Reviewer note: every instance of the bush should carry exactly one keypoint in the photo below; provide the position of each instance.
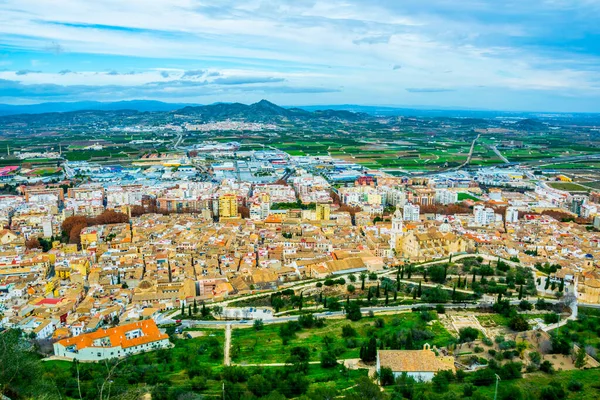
(487, 341)
(554, 391)
(468, 390)
(348, 331)
(328, 359)
(478, 349)
(551, 318)
(575, 386)
(379, 323)
(547, 367)
(468, 334)
(518, 323)
(483, 377)
(353, 312)
(386, 376)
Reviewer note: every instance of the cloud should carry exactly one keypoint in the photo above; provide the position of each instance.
(429, 90)
(396, 67)
(112, 73)
(26, 72)
(372, 40)
(166, 90)
(65, 72)
(193, 73)
(245, 80)
(164, 74)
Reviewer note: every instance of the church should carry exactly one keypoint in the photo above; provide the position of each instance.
(422, 246)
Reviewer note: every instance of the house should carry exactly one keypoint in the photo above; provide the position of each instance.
(421, 365)
(117, 342)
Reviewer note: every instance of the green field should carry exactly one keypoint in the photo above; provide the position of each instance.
(568, 186)
(266, 346)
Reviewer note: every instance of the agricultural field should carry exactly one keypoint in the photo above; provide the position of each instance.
(568, 186)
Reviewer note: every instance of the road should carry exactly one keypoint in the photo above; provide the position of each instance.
(470, 154)
(227, 349)
(495, 150)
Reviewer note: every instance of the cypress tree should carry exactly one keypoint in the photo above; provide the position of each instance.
(499, 297)
(195, 307)
(409, 271)
(547, 283)
(425, 275)
(325, 302)
(450, 260)
(409, 340)
(369, 294)
(414, 294)
(395, 295)
(301, 299)
(387, 298)
(473, 281)
(454, 292)
(377, 292)
(561, 286)
(182, 310)
(402, 273)
(521, 292)
(419, 291)
(320, 297)
(190, 309)
(445, 272)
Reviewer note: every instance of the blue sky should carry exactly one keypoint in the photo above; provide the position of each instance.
(511, 55)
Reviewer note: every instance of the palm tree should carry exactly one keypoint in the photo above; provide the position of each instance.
(363, 276)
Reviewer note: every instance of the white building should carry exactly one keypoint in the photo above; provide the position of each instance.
(411, 212)
(483, 216)
(512, 215)
(445, 197)
(115, 342)
(422, 365)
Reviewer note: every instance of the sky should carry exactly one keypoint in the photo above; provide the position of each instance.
(534, 55)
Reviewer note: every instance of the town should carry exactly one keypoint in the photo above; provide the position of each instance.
(230, 264)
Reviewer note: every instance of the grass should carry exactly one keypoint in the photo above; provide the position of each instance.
(568, 186)
(253, 347)
(466, 196)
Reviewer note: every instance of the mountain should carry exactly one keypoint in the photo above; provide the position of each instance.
(42, 108)
(265, 111)
(126, 114)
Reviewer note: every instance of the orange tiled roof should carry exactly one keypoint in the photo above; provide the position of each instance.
(150, 333)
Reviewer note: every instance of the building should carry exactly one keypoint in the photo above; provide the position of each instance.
(512, 215)
(445, 197)
(228, 206)
(422, 365)
(322, 212)
(411, 212)
(397, 229)
(483, 216)
(115, 342)
(577, 202)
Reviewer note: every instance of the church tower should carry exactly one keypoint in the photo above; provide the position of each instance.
(397, 228)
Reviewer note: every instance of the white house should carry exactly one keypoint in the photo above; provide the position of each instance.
(115, 342)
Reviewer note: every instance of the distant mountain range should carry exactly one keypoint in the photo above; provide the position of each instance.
(137, 111)
(262, 111)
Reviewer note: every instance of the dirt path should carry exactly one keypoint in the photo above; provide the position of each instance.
(226, 350)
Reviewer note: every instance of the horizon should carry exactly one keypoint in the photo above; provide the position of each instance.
(537, 57)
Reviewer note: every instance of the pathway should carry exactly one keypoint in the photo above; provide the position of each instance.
(226, 350)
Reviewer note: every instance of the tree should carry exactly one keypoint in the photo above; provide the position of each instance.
(182, 310)
(518, 323)
(365, 389)
(581, 356)
(259, 385)
(368, 352)
(363, 276)
(437, 273)
(328, 359)
(521, 292)
(468, 334)
(353, 312)
(419, 290)
(386, 376)
(196, 307)
(33, 243)
(258, 324)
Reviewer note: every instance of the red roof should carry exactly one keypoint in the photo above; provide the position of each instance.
(49, 302)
